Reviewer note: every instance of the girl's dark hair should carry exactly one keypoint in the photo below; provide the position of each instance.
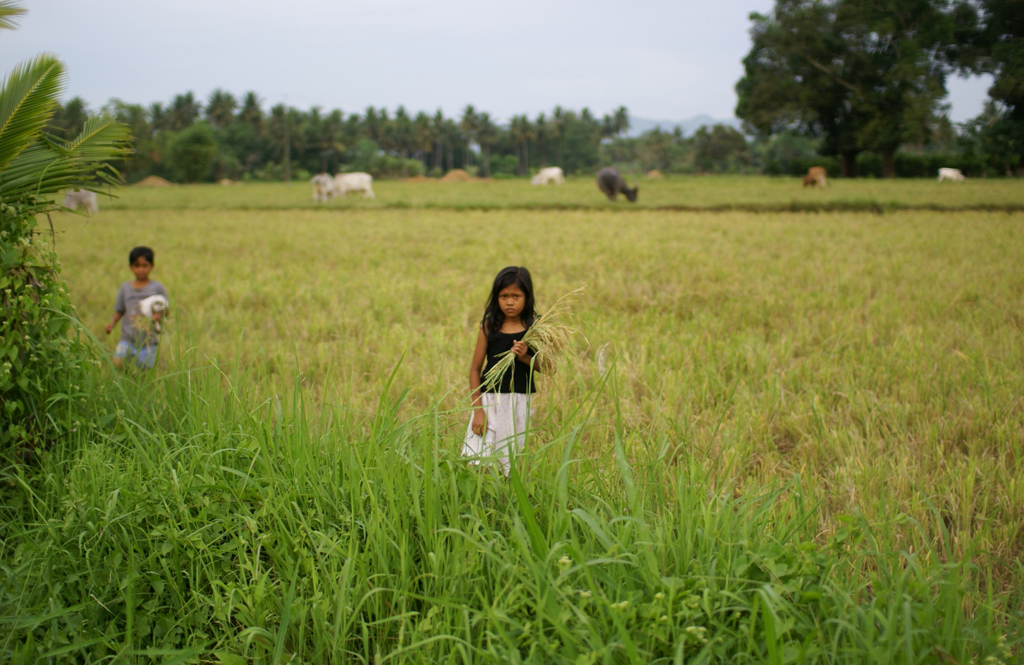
(141, 252)
(493, 316)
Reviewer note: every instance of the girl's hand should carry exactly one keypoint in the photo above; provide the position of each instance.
(479, 422)
(110, 327)
(521, 351)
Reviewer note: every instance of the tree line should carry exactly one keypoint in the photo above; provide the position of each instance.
(189, 140)
(866, 80)
(858, 86)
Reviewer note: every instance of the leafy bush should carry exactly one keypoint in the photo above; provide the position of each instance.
(44, 362)
(193, 153)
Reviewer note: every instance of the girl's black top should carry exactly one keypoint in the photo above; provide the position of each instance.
(516, 380)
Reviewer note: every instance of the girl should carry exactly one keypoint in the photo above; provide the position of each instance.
(498, 424)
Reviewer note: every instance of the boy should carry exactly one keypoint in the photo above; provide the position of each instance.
(139, 333)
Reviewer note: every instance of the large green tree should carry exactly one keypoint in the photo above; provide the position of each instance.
(999, 50)
(861, 74)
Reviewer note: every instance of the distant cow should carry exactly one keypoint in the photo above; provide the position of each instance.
(815, 176)
(354, 182)
(323, 187)
(950, 174)
(611, 183)
(548, 175)
(79, 197)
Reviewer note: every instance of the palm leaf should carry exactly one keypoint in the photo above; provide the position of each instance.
(102, 138)
(28, 97)
(9, 12)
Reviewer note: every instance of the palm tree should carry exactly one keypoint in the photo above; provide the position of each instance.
(451, 136)
(423, 133)
(522, 134)
(468, 125)
(34, 168)
(184, 111)
(486, 134)
(529, 134)
(252, 112)
(220, 110)
(372, 125)
(543, 130)
(402, 133)
(558, 125)
(34, 165)
(439, 136)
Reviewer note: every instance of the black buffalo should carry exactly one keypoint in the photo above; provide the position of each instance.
(610, 182)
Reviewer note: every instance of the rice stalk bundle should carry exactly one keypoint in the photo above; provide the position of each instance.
(548, 337)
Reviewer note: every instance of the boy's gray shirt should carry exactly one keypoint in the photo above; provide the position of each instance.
(137, 329)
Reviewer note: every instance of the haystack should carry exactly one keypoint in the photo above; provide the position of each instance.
(456, 175)
(655, 174)
(153, 181)
(227, 181)
(418, 178)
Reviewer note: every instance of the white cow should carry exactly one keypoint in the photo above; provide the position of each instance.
(950, 174)
(550, 174)
(79, 197)
(323, 187)
(354, 182)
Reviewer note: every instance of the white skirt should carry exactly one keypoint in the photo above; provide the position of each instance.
(507, 419)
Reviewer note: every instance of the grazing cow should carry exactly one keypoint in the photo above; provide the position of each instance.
(79, 197)
(950, 174)
(611, 183)
(354, 182)
(323, 187)
(815, 176)
(548, 175)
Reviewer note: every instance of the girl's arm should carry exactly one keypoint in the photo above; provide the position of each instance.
(479, 353)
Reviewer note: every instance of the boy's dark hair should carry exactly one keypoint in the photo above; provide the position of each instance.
(493, 316)
(141, 252)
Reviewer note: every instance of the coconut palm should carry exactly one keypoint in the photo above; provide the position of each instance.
(37, 316)
(438, 129)
(423, 131)
(252, 111)
(468, 125)
(35, 165)
(542, 128)
(9, 12)
(220, 110)
(558, 127)
(486, 134)
(620, 119)
(184, 111)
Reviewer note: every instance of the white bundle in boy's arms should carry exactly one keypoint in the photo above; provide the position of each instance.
(153, 305)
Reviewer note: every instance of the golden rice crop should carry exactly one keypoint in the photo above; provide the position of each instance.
(548, 337)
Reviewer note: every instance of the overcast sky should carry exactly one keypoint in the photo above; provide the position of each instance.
(665, 60)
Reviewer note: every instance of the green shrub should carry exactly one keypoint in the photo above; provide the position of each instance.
(193, 153)
(44, 362)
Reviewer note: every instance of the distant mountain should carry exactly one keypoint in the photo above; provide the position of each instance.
(638, 126)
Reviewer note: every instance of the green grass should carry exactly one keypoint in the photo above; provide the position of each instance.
(808, 444)
(676, 192)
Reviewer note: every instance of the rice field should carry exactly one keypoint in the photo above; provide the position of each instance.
(777, 437)
(759, 193)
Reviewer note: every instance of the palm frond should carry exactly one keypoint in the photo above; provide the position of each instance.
(28, 98)
(102, 138)
(9, 13)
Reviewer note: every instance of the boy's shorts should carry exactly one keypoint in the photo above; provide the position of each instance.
(145, 356)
